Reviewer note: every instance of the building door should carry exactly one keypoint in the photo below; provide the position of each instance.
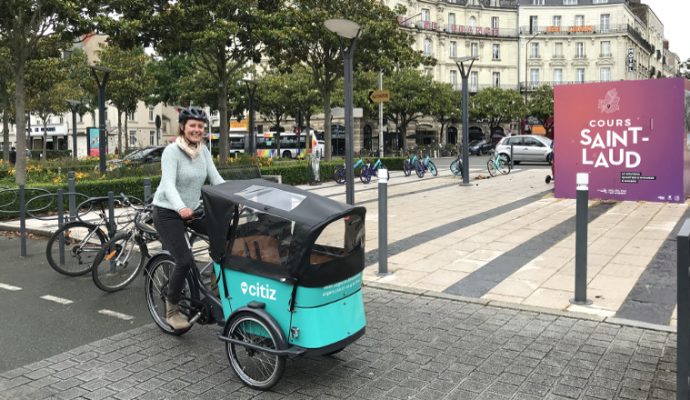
(452, 133)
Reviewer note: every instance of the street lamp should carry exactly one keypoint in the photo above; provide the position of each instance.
(251, 91)
(101, 82)
(465, 73)
(526, 58)
(349, 30)
(74, 107)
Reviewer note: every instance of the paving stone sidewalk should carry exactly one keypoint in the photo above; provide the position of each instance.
(417, 346)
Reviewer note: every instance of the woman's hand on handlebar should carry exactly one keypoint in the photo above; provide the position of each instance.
(186, 213)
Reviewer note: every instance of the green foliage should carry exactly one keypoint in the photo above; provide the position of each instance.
(540, 103)
(496, 106)
(411, 98)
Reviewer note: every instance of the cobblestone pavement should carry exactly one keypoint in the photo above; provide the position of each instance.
(417, 346)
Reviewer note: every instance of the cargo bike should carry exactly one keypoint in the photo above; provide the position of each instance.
(288, 265)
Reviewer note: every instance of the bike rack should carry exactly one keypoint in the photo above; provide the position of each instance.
(683, 317)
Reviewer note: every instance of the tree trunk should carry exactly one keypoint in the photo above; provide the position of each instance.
(6, 131)
(328, 143)
(119, 132)
(20, 109)
(277, 137)
(127, 138)
(44, 151)
(223, 111)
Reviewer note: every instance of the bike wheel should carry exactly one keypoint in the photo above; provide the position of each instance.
(456, 167)
(407, 168)
(118, 262)
(504, 167)
(388, 174)
(491, 166)
(339, 175)
(432, 168)
(156, 275)
(419, 169)
(257, 369)
(365, 175)
(81, 243)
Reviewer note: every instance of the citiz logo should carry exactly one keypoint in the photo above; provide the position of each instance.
(259, 290)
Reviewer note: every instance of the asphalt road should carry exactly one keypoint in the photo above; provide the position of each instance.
(34, 328)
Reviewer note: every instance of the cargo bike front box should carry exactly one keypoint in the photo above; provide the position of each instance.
(289, 266)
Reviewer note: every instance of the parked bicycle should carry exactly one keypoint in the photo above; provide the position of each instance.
(368, 170)
(339, 174)
(421, 165)
(456, 166)
(72, 249)
(497, 164)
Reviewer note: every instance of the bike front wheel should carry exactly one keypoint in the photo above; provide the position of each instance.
(407, 168)
(156, 277)
(456, 167)
(432, 168)
(118, 262)
(72, 249)
(339, 175)
(504, 166)
(256, 368)
(365, 175)
(491, 166)
(419, 169)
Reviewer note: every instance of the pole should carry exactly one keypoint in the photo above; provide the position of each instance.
(581, 218)
(465, 131)
(349, 122)
(22, 221)
(61, 220)
(383, 222)
(101, 128)
(381, 149)
(74, 133)
(71, 188)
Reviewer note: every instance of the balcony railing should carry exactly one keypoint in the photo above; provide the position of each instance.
(531, 86)
(588, 30)
(465, 30)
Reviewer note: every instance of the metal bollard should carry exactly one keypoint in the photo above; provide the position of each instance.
(22, 221)
(147, 190)
(581, 218)
(511, 156)
(112, 225)
(383, 222)
(71, 188)
(61, 221)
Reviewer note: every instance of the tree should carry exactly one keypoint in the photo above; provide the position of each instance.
(129, 82)
(410, 99)
(303, 39)
(445, 105)
(5, 100)
(540, 105)
(24, 24)
(496, 106)
(304, 98)
(273, 100)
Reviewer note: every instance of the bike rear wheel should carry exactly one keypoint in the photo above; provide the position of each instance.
(156, 276)
(118, 262)
(491, 166)
(81, 243)
(339, 175)
(504, 166)
(257, 369)
(365, 175)
(419, 169)
(407, 168)
(456, 167)
(432, 168)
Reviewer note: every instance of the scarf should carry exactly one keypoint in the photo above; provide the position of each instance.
(192, 152)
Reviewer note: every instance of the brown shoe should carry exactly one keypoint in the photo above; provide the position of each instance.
(174, 317)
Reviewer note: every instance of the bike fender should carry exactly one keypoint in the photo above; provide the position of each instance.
(282, 345)
(156, 257)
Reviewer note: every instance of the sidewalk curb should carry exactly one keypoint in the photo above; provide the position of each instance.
(33, 231)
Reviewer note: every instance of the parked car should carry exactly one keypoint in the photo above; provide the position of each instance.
(478, 147)
(146, 155)
(532, 148)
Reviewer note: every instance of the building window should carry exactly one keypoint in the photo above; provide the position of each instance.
(537, 2)
(558, 50)
(569, 2)
(474, 81)
(579, 20)
(557, 20)
(472, 22)
(600, 1)
(152, 138)
(605, 74)
(579, 50)
(580, 75)
(132, 138)
(451, 20)
(453, 50)
(604, 22)
(496, 79)
(496, 52)
(454, 79)
(130, 116)
(81, 118)
(557, 76)
(427, 47)
(494, 22)
(425, 14)
(474, 49)
(150, 113)
(533, 24)
(495, 3)
(534, 77)
(606, 48)
(60, 120)
(534, 52)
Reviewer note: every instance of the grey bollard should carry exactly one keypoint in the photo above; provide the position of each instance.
(383, 222)
(511, 157)
(61, 221)
(22, 221)
(112, 225)
(147, 190)
(71, 188)
(581, 218)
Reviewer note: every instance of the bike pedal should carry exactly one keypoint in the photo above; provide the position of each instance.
(195, 318)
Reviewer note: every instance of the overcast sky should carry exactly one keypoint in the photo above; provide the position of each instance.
(674, 15)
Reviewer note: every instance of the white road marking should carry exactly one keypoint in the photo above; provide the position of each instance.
(56, 299)
(115, 314)
(9, 287)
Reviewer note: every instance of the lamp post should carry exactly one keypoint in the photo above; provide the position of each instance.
(465, 73)
(251, 92)
(74, 107)
(526, 59)
(101, 82)
(348, 30)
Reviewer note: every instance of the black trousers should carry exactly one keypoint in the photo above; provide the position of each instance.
(171, 229)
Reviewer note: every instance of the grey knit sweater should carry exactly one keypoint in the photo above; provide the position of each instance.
(183, 177)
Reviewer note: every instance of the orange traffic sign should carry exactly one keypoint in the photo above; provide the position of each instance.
(379, 96)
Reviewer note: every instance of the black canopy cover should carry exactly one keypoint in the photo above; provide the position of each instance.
(310, 212)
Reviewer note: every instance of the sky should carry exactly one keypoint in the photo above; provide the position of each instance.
(673, 14)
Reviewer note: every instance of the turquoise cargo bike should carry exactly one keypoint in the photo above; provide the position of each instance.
(288, 265)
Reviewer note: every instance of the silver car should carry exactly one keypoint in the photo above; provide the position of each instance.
(529, 148)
